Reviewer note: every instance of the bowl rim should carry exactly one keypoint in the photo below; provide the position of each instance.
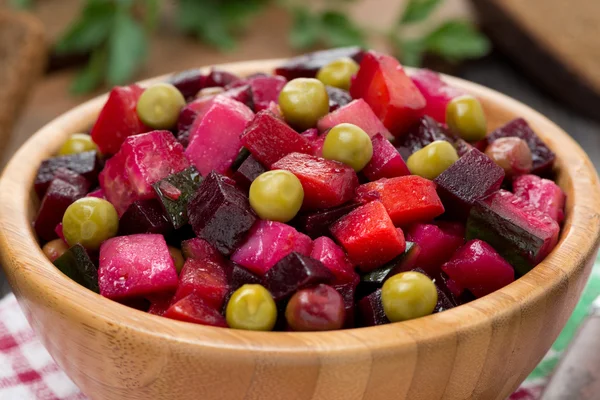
(22, 257)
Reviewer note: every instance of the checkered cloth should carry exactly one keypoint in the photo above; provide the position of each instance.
(27, 372)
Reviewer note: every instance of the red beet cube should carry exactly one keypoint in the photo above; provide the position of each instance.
(386, 161)
(142, 160)
(159, 304)
(99, 193)
(348, 292)
(317, 223)
(436, 92)
(220, 213)
(295, 272)
(543, 157)
(392, 95)
(426, 131)
(265, 89)
(543, 194)
(58, 197)
(370, 310)
(477, 267)
(189, 82)
(307, 65)
(205, 278)
(311, 134)
(85, 164)
(134, 266)
(242, 276)
(326, 183)
(337, 97)
(407, 199)
(523, 235)
(437, 242)
(358, 113)
(248, 172)
(369, 237)
(118, 119)
(214, 140)
(335, 259)
(269, 139)
(219, 78)
(469, 179)
(267, 243)
(196, 310)
(190, 112)
(144, 216)
(462, 147)
(200, 249)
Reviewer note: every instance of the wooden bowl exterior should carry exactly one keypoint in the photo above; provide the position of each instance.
(482, 350)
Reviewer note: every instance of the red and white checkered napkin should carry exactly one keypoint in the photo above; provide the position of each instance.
(27, 372)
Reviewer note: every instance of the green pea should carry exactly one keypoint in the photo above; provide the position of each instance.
(408, 295)
(432, 160)
(177, 257)
(465, 118)
(303, 102)
(252, 308)
(349, 144)
(77, 143)
(338, 73)
(158, 107)
(276, 195)
(90, 221)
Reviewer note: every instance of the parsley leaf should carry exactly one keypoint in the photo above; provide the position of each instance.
(456, 40)
(418, 10)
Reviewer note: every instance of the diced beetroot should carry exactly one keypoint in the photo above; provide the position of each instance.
(521, 234)
(436, 92)
(543, 157)
(135, 266)
(85, 164)
(307, 65)
(335, 259)
(241, 94)
(326, 183)
(159, 304)
(242, 276)
(219, 78)
(98, 193)
(318, 145)
(59, 232)
(205, 278)
(469, 179)
(437, 242)
(311, 134)
(462, 147)
(266, 89)
(317, 223)
(477, 267)
(191, 111)
(295, 272)
(73, 178)
(407, 199)
(144, 216)
(189, 82)
(267, 243)
(118, 119)
(248, 172)
(194, 309)
(58, 197)
(545, 195)
(384, 85)
(337, 97)
(369, 237)
(426, 131)
(358, 113)
(142, 160)
(386, 161)
(215, 137)
(348, 292)
(200, 249)
(220, 213)
(370, 310)
(269, 139)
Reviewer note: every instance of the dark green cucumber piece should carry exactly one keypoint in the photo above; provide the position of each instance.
(77, 265)
(373, 280)
(175, 191)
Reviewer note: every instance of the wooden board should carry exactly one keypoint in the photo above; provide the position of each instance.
(556, 42)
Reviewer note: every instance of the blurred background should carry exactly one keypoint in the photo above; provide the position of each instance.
(55, 54)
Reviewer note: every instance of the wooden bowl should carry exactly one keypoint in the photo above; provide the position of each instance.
(482, 350)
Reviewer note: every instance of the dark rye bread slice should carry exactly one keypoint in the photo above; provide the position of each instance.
(556, 42)
(22, 60)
